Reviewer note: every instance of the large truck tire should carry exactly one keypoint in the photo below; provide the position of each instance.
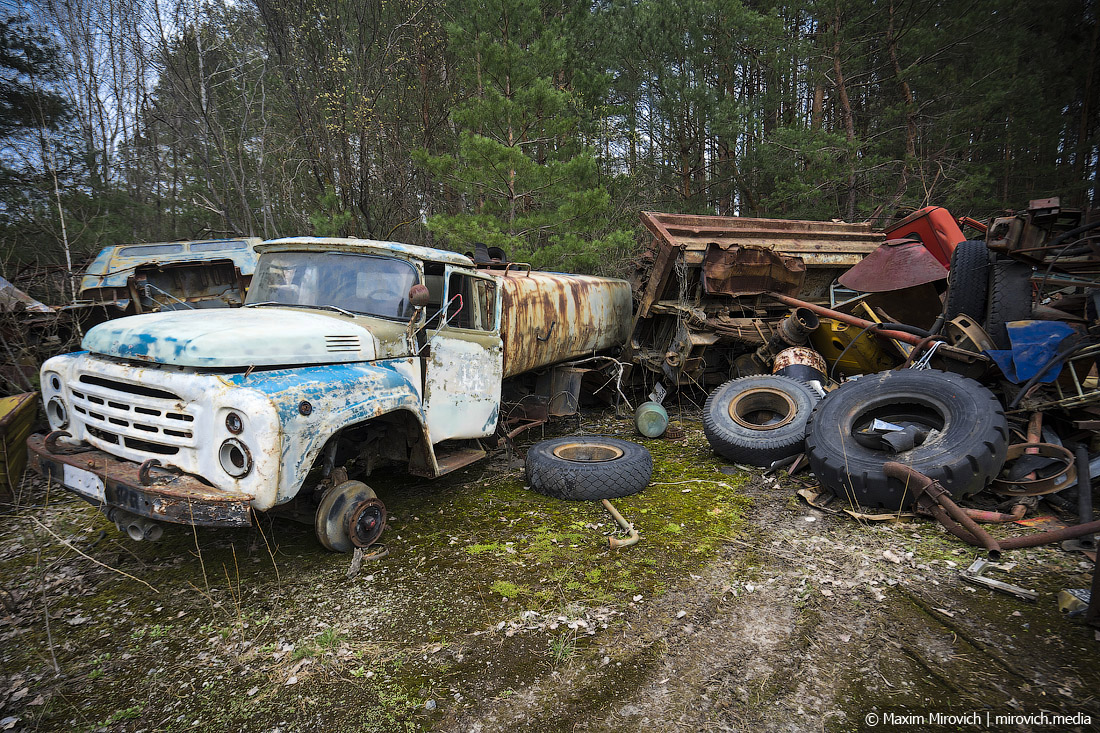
(1009, 299)
(588, 468)
(968, 280)
(964, 449)
(758, 419)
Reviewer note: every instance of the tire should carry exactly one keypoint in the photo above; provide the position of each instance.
(758, 419)
(1009, 299)
(968, 280)
(588, 468)
(964, 453)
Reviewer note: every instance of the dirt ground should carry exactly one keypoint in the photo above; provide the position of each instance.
(497, 609)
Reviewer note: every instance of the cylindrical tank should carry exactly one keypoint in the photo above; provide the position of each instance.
(548, 317)
(801, 363)
(651, 419)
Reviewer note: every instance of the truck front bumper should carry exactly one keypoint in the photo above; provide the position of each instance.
(102, 479)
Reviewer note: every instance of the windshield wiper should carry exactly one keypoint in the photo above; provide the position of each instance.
(336, 308)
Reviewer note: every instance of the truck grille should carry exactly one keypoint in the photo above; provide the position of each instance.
(141, 418)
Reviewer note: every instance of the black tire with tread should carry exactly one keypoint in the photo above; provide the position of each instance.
(757, 446)
(964, 456)
(968, 280)
(1009, 299)
(588, 480)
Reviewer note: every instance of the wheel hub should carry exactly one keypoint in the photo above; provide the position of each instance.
(763, 408)
(587, 452)
(366, 522)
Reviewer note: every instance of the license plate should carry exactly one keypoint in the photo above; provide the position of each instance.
(85, 483)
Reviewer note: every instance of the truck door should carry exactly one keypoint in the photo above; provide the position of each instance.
(465, 360)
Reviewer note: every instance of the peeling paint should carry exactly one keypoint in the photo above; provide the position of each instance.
(189, 388)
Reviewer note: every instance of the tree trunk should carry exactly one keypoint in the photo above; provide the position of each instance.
(846, 116)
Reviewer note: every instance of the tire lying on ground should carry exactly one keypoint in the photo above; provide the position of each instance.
(968, 280)
(758, 419)
(588, 468)
(964, 449)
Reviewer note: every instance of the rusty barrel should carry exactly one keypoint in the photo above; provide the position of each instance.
(550, 317)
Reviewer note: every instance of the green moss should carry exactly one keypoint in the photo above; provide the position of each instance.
(508, 590)
(482, 549)
(257, 602)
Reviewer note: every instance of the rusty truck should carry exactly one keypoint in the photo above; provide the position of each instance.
(348, 355)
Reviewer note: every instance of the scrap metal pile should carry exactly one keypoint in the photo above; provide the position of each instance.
(915, 367)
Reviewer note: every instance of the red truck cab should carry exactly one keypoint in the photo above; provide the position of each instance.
(934, 227)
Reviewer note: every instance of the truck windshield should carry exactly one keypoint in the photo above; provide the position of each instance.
(366, 284)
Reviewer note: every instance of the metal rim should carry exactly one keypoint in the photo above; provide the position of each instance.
(1037, 486)
(585, 452)
(763, 408)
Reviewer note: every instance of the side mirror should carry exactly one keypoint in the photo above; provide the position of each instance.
(418, 296)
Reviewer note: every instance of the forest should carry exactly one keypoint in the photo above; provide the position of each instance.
(540, 126)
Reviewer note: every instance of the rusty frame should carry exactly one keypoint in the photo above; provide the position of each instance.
(175, 498)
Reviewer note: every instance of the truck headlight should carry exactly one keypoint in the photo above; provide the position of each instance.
(234, 423)
(235, 458)
(57, 413)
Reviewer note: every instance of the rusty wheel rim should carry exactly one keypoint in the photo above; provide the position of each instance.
(366, 523)
(587, 452)
(763, 409)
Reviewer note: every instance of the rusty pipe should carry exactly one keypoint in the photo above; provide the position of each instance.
(908, 338)
(929, 505)
(924, 486)
(1018, 513)
(1034, 432)
(1055, 535)
(632, 534)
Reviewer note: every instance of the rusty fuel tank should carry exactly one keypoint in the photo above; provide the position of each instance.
(549, 318)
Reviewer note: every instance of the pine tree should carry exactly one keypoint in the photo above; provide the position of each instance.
(523, 176)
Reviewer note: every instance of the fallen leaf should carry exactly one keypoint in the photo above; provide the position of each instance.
(292, 680)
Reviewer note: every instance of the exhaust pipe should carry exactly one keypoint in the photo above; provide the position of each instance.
(138, 528)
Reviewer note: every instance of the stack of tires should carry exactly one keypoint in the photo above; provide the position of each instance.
(992, 291)
(758, 420)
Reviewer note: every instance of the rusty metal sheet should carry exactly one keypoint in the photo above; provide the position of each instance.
(789, 236)
(547, 318)
(735, 270)
(897, 264)
(829, 247)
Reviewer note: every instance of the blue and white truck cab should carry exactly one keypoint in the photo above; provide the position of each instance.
(347, 352)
